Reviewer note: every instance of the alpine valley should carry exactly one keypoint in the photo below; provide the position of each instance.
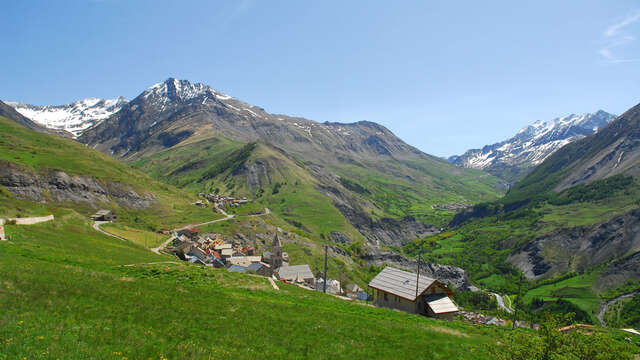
(563, 238)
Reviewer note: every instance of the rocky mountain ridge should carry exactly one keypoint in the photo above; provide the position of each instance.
(168, 106)
(348, 163)
(513, 158)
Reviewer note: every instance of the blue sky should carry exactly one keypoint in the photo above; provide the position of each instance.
(445, 76)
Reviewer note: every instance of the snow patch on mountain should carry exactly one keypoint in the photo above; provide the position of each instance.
(182, 91)
(534, 143)
(75, 117)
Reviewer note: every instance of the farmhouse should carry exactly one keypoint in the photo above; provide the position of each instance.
(394, 288)
(104, 215)
(296, 273)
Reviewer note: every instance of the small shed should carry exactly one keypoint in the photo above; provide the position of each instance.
(352, 288)
(104, 215)
(397, 289)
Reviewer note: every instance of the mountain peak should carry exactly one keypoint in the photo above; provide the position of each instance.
(182, 90)
(514, 157)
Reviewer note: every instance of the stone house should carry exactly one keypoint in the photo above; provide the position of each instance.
(104, 215)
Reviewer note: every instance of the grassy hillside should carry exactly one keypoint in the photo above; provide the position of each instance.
(481, 246)
(66, 294)
(387, 188)
(41, 153)
(70, 292)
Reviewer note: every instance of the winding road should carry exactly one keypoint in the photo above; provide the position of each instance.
(96, 226)
(606, 305)
(501, 304)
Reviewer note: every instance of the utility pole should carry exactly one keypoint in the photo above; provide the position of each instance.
(340, 283)
(418, 281)
(324, 284)
(418, 274)
(515, 303)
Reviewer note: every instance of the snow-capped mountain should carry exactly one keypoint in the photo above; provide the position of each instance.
(75, 117)
(150, 123)
(515, 157)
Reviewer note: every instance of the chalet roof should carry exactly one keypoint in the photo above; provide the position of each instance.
(293, 272)
(441, 304)
(400, 283)
(222, 246)
(227, 252)
(103, 212)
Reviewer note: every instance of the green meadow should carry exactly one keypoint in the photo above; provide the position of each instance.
(69, 292)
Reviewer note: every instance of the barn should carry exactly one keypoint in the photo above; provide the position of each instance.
(396, 289)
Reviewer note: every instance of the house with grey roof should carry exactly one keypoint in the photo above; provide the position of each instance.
(237, 268)
(396, 289)
(260, 268)
(296, 274)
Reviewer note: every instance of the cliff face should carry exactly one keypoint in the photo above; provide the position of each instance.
(447, 274)
(59, 186)
(579, 248)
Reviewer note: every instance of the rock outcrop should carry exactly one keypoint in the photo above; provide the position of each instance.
(579, 248)
(59, 186)
(447, 274)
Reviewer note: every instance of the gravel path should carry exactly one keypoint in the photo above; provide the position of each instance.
(96, 225)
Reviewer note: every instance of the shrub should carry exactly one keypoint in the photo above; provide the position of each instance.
(549, 343)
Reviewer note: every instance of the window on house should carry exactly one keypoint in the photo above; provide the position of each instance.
(386, 298)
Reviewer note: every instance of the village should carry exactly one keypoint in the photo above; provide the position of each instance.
(391, 288)
(219, 201)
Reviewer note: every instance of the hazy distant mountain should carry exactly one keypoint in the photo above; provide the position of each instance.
(513, 158)
(75, 117)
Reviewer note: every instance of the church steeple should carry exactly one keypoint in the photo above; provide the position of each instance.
(276, 242)
(276, 253)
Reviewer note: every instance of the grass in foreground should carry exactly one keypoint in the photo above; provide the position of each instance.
(65, 294)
